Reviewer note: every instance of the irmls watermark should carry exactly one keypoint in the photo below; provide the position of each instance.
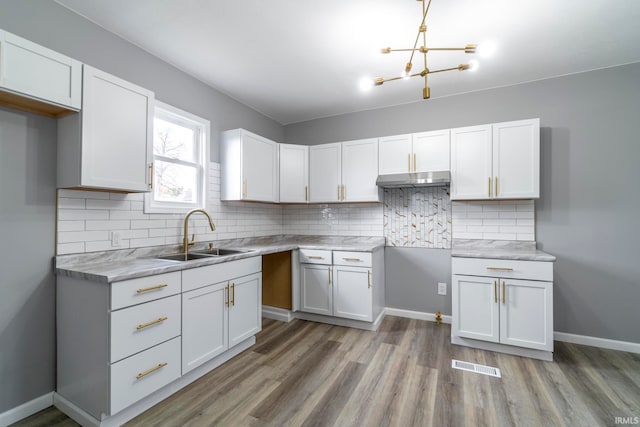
(626, 420)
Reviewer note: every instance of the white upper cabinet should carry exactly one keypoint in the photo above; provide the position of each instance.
(359, 170)
(294, 173)
(344, 171)
(325, 173)
(249, 167)
(395, 154)
(516, 159)
(108, 144)
(471, 162)
(418, 152)
(31, 72)
(498, 161)
(431, 151)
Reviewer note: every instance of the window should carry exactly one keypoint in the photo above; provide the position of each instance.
(180, 142)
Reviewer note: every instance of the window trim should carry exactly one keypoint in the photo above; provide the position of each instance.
(186, 119)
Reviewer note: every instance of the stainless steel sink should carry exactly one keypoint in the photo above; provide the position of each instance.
(220, 252)
(207, 253)
(182, 257)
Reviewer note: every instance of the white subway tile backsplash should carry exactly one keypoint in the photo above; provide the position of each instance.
(71, 225)
(106, 225)
(123, 205)
(82, 236)
(71, 203)
(76, 214)
(70, 248)
(493, 219)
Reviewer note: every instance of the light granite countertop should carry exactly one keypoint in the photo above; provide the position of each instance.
(499, 249)
(117, 265)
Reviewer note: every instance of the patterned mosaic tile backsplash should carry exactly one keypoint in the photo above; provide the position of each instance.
(417, 217)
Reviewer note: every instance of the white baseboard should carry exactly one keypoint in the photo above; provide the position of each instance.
(630, 347)
(276, 313)
(420, 315)
(26, 409)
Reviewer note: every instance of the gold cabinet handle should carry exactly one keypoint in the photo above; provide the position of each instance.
(233, 295)
(495, 291)
(148, 371)
(338, 192)
(329, 268)
(344, 192)
(152, 288)
(415, 162)
(153, 322)
(489, 187)
(228, 295)
(369, 279)
(409, 162)
(500, 268)
(151, 175)
(352, 259)
(306, 193)
(315, 257)
(496, 188)
(504, 292)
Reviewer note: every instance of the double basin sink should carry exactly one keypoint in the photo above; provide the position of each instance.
(209, 253)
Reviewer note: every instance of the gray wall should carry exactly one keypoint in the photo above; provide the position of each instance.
(589, 205)
(412, 276)
(27, 223)
(28, 173)
(53, 26)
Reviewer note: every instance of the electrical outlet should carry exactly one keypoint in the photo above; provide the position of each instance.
(115, 238)
(442, 288)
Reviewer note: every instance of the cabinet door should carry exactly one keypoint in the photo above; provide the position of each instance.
(471, 176)
(475, 308)
(431, 151)
(352, 293)
(395, 154)
(516, 159)
(526, 313)
(35, 71)
(294, 173)
(204, 325)
(325, 167)
(316, 289)
(360, 170)
(116, 132)
(245, 308)
(259, 168)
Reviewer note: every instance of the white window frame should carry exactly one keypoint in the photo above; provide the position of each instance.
(203, 128)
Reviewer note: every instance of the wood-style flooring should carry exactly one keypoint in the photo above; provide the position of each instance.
(311, 374)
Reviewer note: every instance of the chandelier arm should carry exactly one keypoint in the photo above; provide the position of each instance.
(424, 18)
(443, 70)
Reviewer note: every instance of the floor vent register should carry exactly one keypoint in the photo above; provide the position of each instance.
(474, 367)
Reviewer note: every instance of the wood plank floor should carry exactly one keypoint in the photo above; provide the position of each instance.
(310, 374)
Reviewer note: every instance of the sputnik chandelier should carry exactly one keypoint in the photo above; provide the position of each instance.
(424, 50)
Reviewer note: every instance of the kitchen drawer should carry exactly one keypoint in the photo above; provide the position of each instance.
(195, 278)
(355, 259)
(315, 256)
(515, 269)
(140, 375)
(142, 326)
(144, 289)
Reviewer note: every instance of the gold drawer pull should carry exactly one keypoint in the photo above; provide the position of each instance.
(504, 292)
(233, 295)
(495, 291)
(369, 279)
(496, 189)
(153, 322)
(315, 257)
(500, 268)
(352, 259)
(489, 188)
(152, 288)
(148, 371)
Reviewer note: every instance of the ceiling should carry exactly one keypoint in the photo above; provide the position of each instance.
(299, 60)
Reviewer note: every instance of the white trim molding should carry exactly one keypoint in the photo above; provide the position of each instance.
(630, 347)
(420, 315)
(26, 409)
(276, 313)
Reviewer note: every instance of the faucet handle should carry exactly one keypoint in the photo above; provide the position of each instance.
(193, 240)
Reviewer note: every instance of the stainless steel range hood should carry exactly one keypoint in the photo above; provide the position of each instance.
(414, 179)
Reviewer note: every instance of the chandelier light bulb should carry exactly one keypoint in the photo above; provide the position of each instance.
(473, 65)
(486, 49)
(366, 83)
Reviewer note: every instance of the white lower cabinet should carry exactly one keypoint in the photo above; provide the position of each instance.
(490, 305)
(120, 342)
(340, 284)
(219, 316)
